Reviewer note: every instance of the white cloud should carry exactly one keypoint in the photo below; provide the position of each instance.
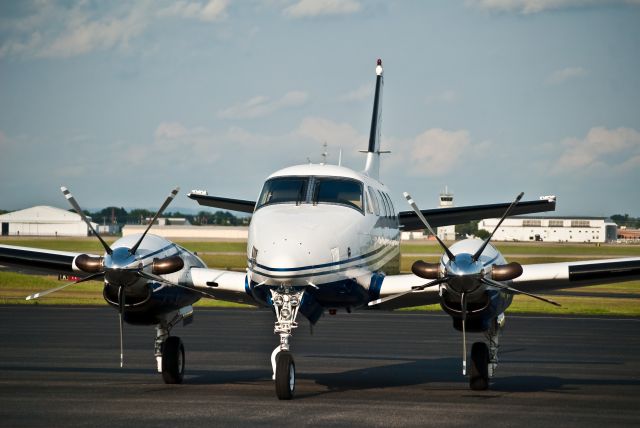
(213, 10)
(53, 31)
(600, 148)
(312, 8)
(526, 7)
(363, 92)
(436, 151)
(335, 134)
(562, 75)
(260, 106)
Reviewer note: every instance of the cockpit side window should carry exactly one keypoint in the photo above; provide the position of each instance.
(338, 191)
(281, 190)
(374, 201)
(368, 203)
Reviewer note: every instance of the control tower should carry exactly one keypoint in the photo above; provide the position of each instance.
(446, 233)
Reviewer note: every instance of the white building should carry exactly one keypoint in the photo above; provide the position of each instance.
(43, 221)
(446, 233)
(552, 229)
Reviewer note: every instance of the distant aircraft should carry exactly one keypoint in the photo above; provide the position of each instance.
(322, 238)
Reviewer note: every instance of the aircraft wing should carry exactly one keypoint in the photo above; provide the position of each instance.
(402, 283)
(223, 284)
(58, 261)
(224, 203)
(553, 276)
(459, 215)
(535, 278)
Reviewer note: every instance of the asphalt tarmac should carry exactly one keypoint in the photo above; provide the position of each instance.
(60, 367)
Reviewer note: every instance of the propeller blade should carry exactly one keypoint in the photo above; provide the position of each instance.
(476, 256)
(404, 293)
(167, 201)
(53, 290)
(121, 303)
(161, 280)
(463, 308)
(67, 194)
(426, 223)
(505, 287)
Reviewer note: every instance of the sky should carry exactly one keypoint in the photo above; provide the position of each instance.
(122, 101)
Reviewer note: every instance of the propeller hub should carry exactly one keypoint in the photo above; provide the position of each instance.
(464, 273)
(120, 259)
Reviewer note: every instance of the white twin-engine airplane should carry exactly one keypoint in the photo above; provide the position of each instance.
(321, 238)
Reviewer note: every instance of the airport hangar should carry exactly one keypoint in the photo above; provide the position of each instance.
(43, 221)
(552, 229)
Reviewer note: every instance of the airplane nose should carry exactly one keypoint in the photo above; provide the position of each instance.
(296, 242)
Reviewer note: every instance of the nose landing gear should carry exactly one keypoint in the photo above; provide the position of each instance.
(286, 302)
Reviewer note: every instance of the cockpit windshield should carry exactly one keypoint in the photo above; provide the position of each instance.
(338, 191)
(324, 190)
(284, 190)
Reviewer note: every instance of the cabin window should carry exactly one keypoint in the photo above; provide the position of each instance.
(329, 190)
(384, 211)
(282, 190)
(393, 211)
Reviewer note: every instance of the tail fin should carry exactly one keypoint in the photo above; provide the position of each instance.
(372, 167)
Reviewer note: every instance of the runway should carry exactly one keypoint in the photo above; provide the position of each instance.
(60, 367)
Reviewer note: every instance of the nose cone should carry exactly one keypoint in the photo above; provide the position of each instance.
(293, 242)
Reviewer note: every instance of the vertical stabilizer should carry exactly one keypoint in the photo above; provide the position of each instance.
(372, 167)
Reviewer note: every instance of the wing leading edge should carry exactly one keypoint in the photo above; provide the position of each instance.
(59, 261)
(224, 203)
(459, 215)
(553, 276)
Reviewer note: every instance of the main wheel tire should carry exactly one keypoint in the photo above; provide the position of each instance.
(173, 360)
(285, 376)
(479, 380)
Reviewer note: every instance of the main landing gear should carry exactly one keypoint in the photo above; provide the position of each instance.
(484, 359)
(169, 350)
(286, 302)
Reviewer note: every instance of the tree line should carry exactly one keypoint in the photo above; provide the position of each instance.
(115, 215)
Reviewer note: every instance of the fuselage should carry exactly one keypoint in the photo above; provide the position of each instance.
(325, 227)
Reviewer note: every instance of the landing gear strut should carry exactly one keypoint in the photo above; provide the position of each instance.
(484, 359)
(169, 350)
(286, 302)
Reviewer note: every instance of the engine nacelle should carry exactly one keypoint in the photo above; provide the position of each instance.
(89, 264)
(427, 270)
(168, 265)
(506, 272)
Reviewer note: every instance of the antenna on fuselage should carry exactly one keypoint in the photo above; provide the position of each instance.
(324, 154)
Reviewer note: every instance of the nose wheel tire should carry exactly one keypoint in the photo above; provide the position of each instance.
(173, 360)
(285, 376)
(479, 380)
